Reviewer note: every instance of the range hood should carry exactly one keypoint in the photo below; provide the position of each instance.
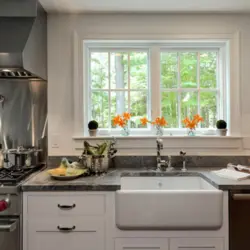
(23, 40)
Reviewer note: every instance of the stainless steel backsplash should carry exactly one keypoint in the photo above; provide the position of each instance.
(23, 114)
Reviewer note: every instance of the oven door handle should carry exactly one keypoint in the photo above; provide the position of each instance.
(241, 197)
(10, 227)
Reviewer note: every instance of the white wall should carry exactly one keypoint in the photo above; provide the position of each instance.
(61, 30)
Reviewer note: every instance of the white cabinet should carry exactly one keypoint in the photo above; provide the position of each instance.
(196, 244)
(86, 221)
(80, 234)
(55, 240)
(63, 222)
(66, 205)
(169, 244)
(141, 244)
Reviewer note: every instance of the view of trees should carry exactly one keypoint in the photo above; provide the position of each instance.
(119, 82)
(190, 99)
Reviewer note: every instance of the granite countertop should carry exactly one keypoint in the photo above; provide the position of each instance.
(41, 181)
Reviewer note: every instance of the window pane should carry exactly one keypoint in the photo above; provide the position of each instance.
(208, 109)
(189, 104)
(138, 107)
(169, 108)
(99, 108)
(169, 70)
(138, 70)
(208, 64)
(119, 103)
(119, 70)
(99, 70)
(188, 69)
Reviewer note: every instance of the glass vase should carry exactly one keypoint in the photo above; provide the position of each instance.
(125, 131)
(191, 132)
(159, 130)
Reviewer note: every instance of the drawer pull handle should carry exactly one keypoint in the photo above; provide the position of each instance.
(66, 206)
(66, 229)
(241, 197)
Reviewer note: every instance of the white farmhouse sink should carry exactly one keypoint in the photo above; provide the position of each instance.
(170, 202)
(165, 183)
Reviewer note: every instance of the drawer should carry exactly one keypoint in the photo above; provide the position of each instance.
(196, 244)
(141, 244)
(66, 205)
(67, 224)
(66, 233)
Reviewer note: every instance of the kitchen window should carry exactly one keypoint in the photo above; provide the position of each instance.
(118, 83)
(170, 79)
(189, 86)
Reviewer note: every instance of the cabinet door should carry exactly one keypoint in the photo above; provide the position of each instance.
(197, 244)
(141, 244)
(65, 235)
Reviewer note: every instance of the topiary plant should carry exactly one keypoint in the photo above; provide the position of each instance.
(93, 125)
(221, 124)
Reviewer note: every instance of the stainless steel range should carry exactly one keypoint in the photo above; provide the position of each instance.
(23, 108)
(11, 206)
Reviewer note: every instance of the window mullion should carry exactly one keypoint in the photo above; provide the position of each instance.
(89, 90)
(220, 87)
(129, 85)
(198, 84)
(179, 88)
(128, 82)
(109, 92)
(155, 75)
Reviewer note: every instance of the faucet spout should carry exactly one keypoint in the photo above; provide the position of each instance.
(183, 154)
(159, 161)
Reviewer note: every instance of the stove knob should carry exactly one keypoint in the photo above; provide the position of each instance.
(4, 204)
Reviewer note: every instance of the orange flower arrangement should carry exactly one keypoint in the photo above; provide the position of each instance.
(191, 124)
(159, 121)
(144, 121)
(122, 121)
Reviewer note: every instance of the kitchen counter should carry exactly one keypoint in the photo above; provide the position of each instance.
(111, 182)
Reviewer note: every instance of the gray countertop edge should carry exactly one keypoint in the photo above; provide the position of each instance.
(92, 188)
(41, 181)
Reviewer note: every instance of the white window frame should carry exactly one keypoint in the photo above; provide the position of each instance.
(155, 48)
(233, 144)
(221, 109)
(107, 48)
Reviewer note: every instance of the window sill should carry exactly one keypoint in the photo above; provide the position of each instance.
(135, 145)
(120, 137)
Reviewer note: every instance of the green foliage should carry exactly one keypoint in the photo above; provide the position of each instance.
(118, 100)
(188, 79)
(221, 124)
(93, 125)
(172, 100)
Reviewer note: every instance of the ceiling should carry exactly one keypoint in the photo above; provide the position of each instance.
(85, 6)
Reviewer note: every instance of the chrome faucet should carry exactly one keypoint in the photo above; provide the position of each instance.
(183, 154)
(160, 162)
